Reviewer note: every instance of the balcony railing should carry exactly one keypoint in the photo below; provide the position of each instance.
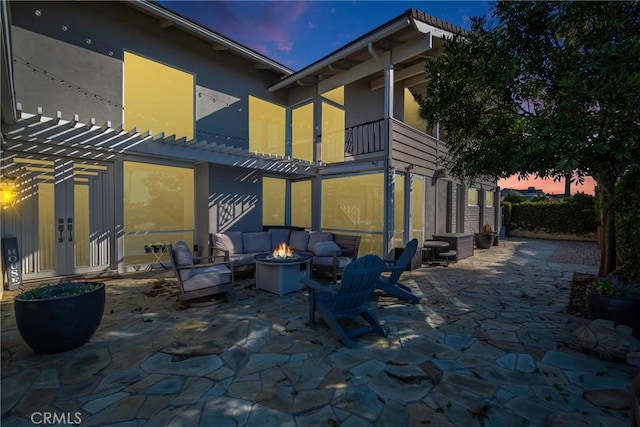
(364, 139)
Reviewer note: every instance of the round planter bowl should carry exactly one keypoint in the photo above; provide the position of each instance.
(60, 324)
(622, 311)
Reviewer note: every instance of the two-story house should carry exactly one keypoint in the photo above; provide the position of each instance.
(125, 124)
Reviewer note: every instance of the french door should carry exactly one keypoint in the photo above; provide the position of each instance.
(64, 215)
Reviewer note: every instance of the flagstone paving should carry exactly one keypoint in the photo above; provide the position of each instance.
(489, 344)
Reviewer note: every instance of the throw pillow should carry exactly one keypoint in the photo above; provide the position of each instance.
(319, 236)
(325, 248)
(299, 240)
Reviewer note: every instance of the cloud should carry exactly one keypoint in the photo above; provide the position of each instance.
(266, 27)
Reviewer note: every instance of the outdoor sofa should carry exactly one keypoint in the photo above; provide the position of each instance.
(331, 253)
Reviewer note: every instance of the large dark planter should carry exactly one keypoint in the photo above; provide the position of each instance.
(624, 311)
(59, 324)
(483, 240)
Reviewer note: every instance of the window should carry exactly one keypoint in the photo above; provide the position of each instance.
(302, 132)
(355, 204)
(266, 127)
(417, 208)
(412, 112)
(157, 97)
(158, 207)
(398, 211)
(333, 121)
(273, 201)
(472, 197)
(301, 204)
(488, 199)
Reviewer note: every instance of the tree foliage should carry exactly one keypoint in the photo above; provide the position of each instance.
(545, 89)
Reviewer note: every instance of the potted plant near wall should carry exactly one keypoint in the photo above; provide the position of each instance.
(60, 317)
(484, 239)
(614, 299)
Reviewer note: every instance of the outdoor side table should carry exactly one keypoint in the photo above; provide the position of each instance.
(431, 248)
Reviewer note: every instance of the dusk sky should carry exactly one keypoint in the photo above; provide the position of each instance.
(298, 33)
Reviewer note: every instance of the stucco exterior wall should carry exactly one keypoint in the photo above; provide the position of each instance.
(88, 56)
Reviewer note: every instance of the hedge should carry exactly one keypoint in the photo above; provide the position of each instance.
(627, 204)
(570, 216)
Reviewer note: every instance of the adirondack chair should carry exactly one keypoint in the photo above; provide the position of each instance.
(349, 300)
(390, 284)
(198, 280)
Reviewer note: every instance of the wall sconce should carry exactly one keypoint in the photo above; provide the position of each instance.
(8, 192)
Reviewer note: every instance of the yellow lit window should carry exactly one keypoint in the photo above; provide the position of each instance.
(398, 211)
(332, 133)
(273, 200)
(417, 208)
(488, 199)
(301, 204)
(336, 95)
(302, 132)
(157, 97)
(472, 197)
(355, 204)
(266, 127)
(412, 112)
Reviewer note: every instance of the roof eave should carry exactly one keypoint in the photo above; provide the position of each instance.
(208, 35)
(351, 48)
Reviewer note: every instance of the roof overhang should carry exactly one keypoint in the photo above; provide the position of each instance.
(35, 133)
(166, 19)
(406, 42)
(7, 88)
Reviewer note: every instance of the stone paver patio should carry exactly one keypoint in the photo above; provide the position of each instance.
(488, 344)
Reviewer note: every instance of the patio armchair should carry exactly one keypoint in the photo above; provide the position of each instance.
(348, 300)
(198, 280)
(389, 284)
(332, 257)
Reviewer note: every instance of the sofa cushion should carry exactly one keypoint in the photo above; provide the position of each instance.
(324, 248)
(207, 277)
(327, 261)
(240, 260)
(279, 235)
(230, 241)
(299, 240)
(182, 255)
(319, 236)
(256, 242)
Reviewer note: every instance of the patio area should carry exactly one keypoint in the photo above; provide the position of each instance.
(488, 344)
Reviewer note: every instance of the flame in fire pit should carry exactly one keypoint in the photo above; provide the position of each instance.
(283, 251)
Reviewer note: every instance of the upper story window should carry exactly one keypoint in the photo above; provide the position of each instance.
(302, 132)
(412, 112)
(157, 97)
(333, 126)
(266, 127)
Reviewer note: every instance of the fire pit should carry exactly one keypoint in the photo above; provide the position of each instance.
(280, 271)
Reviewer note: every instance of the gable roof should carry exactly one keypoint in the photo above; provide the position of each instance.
(411, 34)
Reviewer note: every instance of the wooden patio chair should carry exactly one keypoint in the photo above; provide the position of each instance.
(198, 280)
(349, 300)
(390, 284)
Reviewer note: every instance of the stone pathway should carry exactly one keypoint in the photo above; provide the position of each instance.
(489, 344)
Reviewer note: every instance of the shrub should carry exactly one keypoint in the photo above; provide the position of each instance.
(627, 205)
(514, 198)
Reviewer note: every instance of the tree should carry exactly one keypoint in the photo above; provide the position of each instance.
(546, 89)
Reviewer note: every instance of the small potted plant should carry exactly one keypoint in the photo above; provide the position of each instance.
(484, 239)
(614, 299)
(59, 317)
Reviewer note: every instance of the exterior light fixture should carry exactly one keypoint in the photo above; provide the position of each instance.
(8, 192)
